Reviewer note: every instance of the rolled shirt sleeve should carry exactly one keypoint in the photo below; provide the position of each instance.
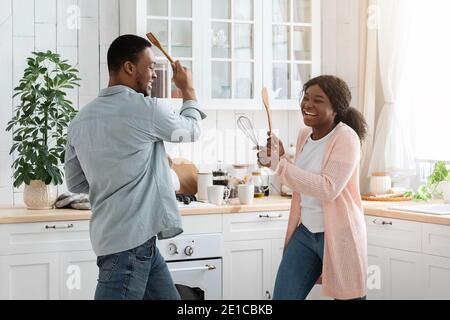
(75, 178)
(182, 127)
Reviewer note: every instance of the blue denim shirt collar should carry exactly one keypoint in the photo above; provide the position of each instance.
(114, 90)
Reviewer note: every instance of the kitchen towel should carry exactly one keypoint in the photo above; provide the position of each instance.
(74, 201)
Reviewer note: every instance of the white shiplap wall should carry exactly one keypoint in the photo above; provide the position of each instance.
(27, 25)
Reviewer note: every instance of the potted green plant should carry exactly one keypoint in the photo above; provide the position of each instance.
(437, 184)
(39, 126)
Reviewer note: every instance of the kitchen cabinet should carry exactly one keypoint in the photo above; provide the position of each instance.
(252, 253)
(375, 282)
(292, 46)
(437, 275)
(403, 275)
(247, 270)
(234, 47)
(407, 260)
(177, 25)
(29, 276)
(277, 254)
(52, 260)
(78, 275)
(49, 276)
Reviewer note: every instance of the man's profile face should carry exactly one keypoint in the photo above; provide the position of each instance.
(145, 72)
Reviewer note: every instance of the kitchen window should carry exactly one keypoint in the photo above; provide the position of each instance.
(424, 95)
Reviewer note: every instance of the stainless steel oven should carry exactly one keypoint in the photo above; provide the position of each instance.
(195, 263)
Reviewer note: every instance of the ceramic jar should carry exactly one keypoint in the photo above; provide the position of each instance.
(380, 183)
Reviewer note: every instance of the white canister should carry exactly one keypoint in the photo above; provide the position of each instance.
(204, 180)
(380, 183)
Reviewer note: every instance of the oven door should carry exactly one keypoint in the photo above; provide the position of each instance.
(198, 279)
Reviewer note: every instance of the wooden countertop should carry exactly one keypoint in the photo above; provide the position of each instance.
(379, 209)
(384, 210)
(23, 215)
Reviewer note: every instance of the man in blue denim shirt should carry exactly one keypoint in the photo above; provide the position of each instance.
(115, 152)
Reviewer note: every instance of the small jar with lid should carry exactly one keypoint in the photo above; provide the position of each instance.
(240, 171)
(266, 174)
(256, 180)
(380, 183)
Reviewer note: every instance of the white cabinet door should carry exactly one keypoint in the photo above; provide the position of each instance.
(394, 233)
(178, 27)
(29, 277)
(436, 239)
(78, 275)
(255, 225)
(24, 238)
(375, 272)
(404, 275)
(437, 275)
(233, 53)
(292, 48)
(277, 255)
(247, 270)
(234, 47)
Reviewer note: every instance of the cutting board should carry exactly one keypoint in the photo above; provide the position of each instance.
(366, 197)
(187, 174)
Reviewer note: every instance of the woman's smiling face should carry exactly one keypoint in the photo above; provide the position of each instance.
(317, 109)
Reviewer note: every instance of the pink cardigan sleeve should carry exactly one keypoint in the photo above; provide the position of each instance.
(344, 156)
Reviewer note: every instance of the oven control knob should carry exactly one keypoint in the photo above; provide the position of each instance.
(189, 251)
(172, 248)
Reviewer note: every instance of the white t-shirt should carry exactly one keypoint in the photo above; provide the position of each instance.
(311, 160)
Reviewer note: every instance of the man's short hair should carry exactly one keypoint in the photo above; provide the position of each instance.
(125, 48)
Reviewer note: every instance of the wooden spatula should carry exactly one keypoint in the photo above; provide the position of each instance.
(155, 41)
(265, 98)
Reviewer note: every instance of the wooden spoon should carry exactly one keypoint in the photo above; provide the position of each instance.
(265, 97)
(155, 41)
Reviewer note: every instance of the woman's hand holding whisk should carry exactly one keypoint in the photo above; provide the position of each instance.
(270, 155)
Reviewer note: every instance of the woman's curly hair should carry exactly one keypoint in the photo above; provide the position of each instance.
(340, 97)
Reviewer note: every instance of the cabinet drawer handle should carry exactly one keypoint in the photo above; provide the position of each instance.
(268, 216)
(207, 267)
(69, 226)
(382, 223)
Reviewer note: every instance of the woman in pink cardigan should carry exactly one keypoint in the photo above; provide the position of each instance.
(326, 236)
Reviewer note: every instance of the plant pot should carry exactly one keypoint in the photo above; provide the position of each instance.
(39, 196)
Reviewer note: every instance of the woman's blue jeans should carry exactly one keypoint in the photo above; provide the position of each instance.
(137, 274)
(301, 266)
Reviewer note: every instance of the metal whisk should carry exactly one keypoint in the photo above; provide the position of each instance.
(246, 126)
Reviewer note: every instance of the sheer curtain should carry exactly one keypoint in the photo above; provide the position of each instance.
(392, 151)
(367, 81)
(425, 85)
